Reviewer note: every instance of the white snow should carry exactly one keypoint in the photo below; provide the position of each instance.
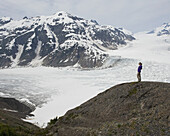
(49, 32)
(18, 55)
(37, 61)
(11, 44)
(4, 33)
(24, 100)
(30, 42)
(9, 110)
(146, 47)
(39, 20)
(5, 19)
(126, 31)
(4, 95)
(56, 40)
(17, 24)
(161, 29)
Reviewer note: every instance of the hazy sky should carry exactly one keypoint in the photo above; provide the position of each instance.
(134, 15)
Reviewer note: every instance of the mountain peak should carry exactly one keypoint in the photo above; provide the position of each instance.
(58, 40)
(162, 30)
(5, 20)
(62, 13)
(166, 24)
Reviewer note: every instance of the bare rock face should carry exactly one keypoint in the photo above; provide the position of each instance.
(11, 114)
(13, 105)
(126, 109)
(59, 40)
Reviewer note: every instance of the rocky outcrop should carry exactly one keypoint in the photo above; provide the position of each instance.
(139, 108)
(11, 114)
(21, 110)
(59, 40)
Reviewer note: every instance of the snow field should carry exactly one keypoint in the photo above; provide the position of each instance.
(146, 47)
(54, 90)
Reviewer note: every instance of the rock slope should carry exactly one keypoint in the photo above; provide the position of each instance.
(59, 40)
(127, 109)
(11, 114)
(11, 104)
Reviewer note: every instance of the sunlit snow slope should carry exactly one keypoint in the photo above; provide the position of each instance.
(149, 47)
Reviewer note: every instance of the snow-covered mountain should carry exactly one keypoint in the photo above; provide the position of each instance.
(5, 20)
(151, 46)
(58, 40)
(162, 30)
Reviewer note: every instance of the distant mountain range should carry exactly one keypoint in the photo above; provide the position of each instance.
(59, 40)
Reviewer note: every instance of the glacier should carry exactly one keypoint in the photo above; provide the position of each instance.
(56, 90)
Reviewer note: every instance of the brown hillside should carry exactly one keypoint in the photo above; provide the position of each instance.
(133, 109)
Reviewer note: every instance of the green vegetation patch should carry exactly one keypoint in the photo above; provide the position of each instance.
(133, 83)
(53, 121)
(5, 130)
(132, 92)
(71, 116)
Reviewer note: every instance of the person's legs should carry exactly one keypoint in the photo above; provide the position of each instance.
(139, 77)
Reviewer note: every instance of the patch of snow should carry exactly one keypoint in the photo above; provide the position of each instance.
(3, 94)
(2, 55)
(126, 31)
(56, 39)
(77, 65)
(18, 55)
(24, 100)
(30, 42)
(66, 60)
(9, 110)
(4, 33)
(11, 44)
(36, 61)
(5, 19)
(49, 33)
(162, 30)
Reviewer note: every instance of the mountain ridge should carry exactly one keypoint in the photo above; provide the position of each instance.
(59, 40)
(164, 29)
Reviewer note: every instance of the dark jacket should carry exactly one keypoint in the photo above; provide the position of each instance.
(139, 68)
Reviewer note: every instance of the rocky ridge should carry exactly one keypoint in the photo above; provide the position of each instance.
(11, 114)
(139, 108)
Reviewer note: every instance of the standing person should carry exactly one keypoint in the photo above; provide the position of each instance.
(139, 72)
